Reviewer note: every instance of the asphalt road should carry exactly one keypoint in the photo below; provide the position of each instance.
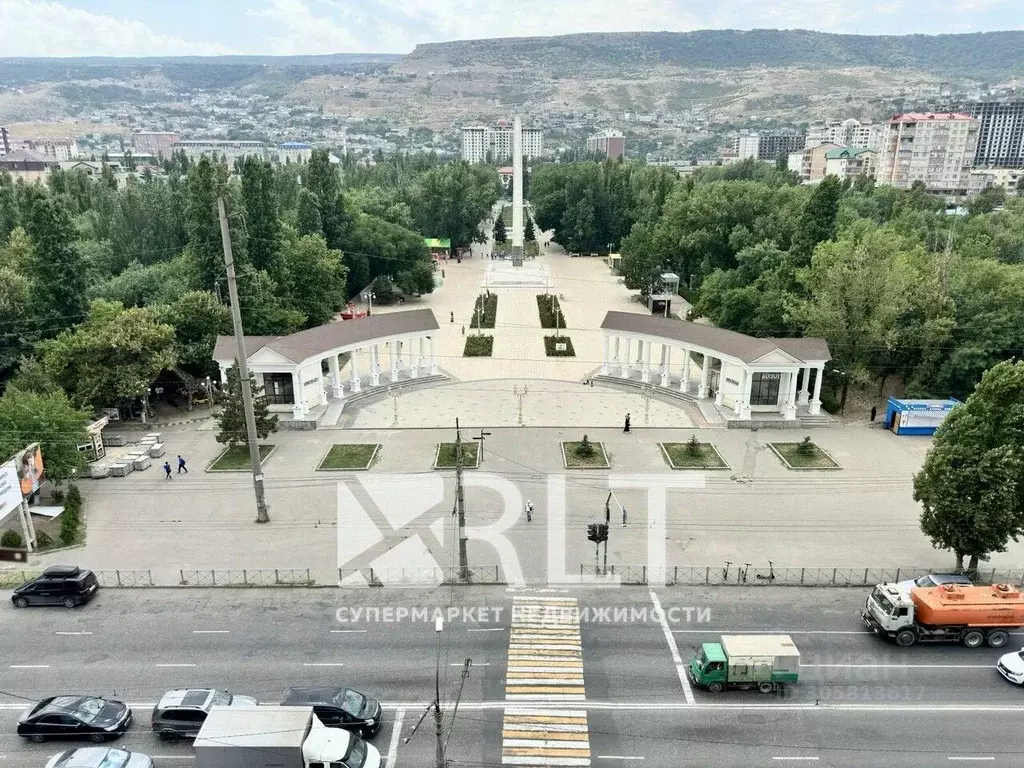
(860, 701)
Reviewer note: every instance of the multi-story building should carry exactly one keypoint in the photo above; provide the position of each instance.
(218, 148)
(848, 133)
(294, 152)
(746, 145)
(811, 163)
(1000, 134)
(27, 164)
(1007, 178)
(767, 146)
(481, 143)
(61, 150)
(608, 144)
(849, 162)
(5, 141)
(156, 143)
(936, 149)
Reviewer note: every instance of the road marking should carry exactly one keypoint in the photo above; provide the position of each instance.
(72, 633)
(210, 631)
(864, 632)
(29, 666)
(348, 631)
(173, 757)
(396, 734)
(620, 757)
(900, 666)
(493, 629)
(475, 664)
(175, 665)
(970, 758)
(676, 658)
(323, 664)
(782, 757)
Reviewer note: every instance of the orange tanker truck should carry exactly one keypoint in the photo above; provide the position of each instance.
(951, 613)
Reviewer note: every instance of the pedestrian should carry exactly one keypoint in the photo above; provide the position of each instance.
(623, 517)
(181, 465)
(442, 274)
(874, 412)
(167, 469)
(453, 317)
(626, 429)
(529, 511)
(463, 330)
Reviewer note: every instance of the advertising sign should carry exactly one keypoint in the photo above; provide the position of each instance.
(29, 464)
(10, 489)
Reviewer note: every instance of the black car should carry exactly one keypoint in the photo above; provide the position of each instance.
(339, 708)
(75, 717)
(66, 585)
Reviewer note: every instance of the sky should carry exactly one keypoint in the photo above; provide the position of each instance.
(287, 27)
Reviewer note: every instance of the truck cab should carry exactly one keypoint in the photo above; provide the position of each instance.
(890, 607)
(707, 667)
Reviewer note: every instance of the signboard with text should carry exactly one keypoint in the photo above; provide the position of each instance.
(10, 489)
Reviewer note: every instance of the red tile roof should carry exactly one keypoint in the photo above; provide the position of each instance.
(915, 117)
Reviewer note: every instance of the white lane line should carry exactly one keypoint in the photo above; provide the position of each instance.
(72, 633)
(900, 666)
(173, 757)
(175, 665)
(620, 757)
(210, 631)
(396, 734)
(970, 758)
(864, 632)
(676, 658)
(475, 664)
(323, 664)
(785, 757)
(492, 629)
(348, 631)
(29, 666)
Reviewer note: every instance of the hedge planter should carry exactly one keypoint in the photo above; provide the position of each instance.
(485, 311)
(692, 456)
(349, 456)
(235, 458)
(550, 311)
(805, 455)
(444, 457)
(478, 346)
(572, 459)
(558, 346)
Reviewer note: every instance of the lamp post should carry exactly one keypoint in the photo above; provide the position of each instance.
(483, 435)
(368, 297)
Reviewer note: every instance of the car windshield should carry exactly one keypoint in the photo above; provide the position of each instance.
(925, 581)
(356, 755)
(88, 710)
(883, 602)
(222, 699)
(350, 701)
(115, 758)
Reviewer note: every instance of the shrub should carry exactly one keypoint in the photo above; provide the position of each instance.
(551, 346)
(44, 540)
(70, 523)
(478, 346)
(12, 540)
(73, 497)
(550, 311)
(585, 447)
(806, 446)
(693, 446)
(485, 311)
(58, 496)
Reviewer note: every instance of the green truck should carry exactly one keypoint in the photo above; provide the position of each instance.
(745, 662)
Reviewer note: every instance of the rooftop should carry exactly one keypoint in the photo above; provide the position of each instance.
(841, 152)
(916, 117)
(26, 156)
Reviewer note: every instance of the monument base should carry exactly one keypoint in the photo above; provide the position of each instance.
(517, 255)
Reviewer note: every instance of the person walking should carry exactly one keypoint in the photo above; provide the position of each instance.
(529, 511)
(453, 317)
(167, 469)
(181, 465)
(626, 428)
(623, 517)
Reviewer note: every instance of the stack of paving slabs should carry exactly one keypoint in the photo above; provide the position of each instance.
(545, 672)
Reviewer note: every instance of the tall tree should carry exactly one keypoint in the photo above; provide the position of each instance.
(972, 482)
(232, 419)
(529, 235)
(49, 419)
(323, 182)
(205, 183)
(500, 233)
(818, 219)
(57, 292)
(452, 200)
(316, 280)
(308, 220)
(8, 206)
(261, 215)
(197, 318)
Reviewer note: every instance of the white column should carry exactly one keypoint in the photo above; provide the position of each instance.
(645, 353)
(414, 357)
(374, 366)
(666, 361)
(355, 385)
(625, 345)
(684, 377)
(745, 396)
(433, 356)
(607, 353)
(789, 413)
(805, 389)
(705, 378)
(298, 404)
(337, 390)
(392, 349)
(815, 406)
(737, 406)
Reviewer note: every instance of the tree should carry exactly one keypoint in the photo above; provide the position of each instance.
(818, 219)
(232, 419)
(197, 318)
(261, 217)
(204, 184)
(972, 482)
(418, 280)
(528, 233)
(112, 358)
(8, 206)
(55, 269)
(499, 232)
(450, 201)
(316, 279)
(986, 201)
(32, 377)
(49, 419)
(308, 219)
(323, 182)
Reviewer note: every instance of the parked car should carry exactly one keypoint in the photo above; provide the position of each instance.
(66, 585)
(100, 757)
(339, 708)
(934, 580)
(181, 713)
(75, 717)
(1011, 666)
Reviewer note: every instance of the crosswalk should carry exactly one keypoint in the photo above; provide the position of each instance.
(545, 664)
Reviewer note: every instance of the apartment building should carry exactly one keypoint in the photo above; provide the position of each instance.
(811, 163)
(937, 149)
(5, 141)
(610, 144)
(1000, 133)
(156, 143)
(846, 133)
(1007, 178)
(850, 162)
(218, 148)
(745, 146)
(294, 152)
(61, 150)
(767, 146)
(482, 143)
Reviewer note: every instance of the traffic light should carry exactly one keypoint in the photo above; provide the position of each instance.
(602, 532)
(592, 532)
(597, 532)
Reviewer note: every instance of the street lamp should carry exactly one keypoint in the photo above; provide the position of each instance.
(368, 297)
(481, 439)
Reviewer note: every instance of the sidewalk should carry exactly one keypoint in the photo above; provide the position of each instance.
(863, 515)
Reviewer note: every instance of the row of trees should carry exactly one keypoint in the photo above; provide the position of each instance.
(895, 285)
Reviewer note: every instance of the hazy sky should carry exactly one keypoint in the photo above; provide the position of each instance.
(184, 27)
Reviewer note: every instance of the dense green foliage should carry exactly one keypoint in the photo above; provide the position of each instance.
(895, 285)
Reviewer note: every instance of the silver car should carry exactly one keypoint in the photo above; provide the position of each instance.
(934, 580)
(100, 757)
(181, 713)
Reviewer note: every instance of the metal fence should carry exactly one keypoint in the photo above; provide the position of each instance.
(259, 577)
(419, 577)
(749, 576)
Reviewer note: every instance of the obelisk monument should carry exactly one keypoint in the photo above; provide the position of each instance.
(517, 193)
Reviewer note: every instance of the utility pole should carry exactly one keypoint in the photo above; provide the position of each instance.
(262, 511)
(455, 710)
(607, 523)
(438, 717)
(483, 435)
(460, 505)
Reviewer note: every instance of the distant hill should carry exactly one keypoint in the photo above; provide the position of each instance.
(983, 55)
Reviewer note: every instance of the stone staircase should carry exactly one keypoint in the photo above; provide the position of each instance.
(665, 394)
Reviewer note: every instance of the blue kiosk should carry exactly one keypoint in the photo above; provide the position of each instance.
(917, 417)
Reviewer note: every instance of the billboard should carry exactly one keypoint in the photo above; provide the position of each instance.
(10, 489)
(29, 464)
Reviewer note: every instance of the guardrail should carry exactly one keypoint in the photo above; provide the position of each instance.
(749, 576)
(419, 577)
(141, 578)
